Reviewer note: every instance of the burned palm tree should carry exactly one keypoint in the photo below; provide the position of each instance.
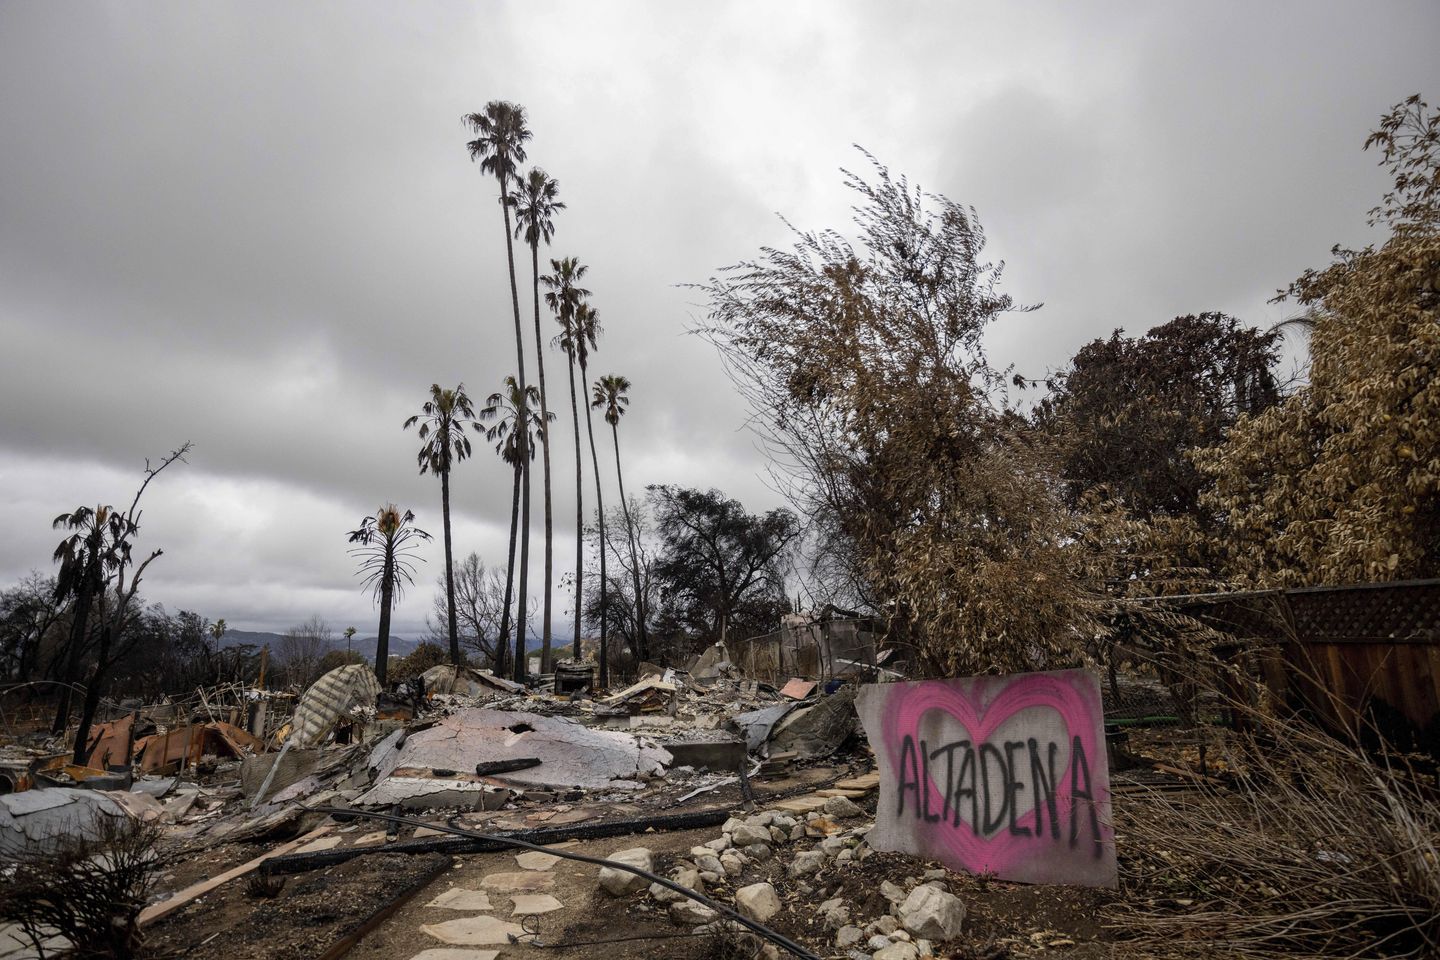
(385, 544)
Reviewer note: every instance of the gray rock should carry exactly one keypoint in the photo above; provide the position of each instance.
(806, 863)
(878, 942)
(932, 914)
(686, 877)
(719, 843)
(708, 864)
(892, 891)
(759, 852)
(896, 951)
(848, 937)
(885, 925)
(745, 834)
(622, 883)
(778, 835)
(758, 901)
(841, 807)
(688, 912)
(834, 913)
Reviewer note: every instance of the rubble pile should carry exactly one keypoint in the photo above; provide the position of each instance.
(465, 748)
(233, 763)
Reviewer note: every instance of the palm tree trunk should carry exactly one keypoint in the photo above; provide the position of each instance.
(522, 440)
(579, 512)
(80, 755)
(502, 649)
(79, 620)
(382, 643)
(545, 457)
(600, 516)
(449, 568)
(522, 602)
(644, 652)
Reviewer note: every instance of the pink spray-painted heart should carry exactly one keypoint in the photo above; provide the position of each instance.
(981, 715)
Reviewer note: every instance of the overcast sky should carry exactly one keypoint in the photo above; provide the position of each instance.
(254, 226)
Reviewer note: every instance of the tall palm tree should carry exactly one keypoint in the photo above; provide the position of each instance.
(385, 548)
(564, 296)
(586, 323)
(515, 422)
(535, 209)
(611, 393)
(499, 147)
(445, 444)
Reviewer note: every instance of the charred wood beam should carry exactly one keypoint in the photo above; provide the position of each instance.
(315, 860)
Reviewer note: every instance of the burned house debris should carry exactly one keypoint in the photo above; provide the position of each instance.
(848, 813)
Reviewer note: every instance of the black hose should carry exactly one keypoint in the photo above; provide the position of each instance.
(780, 940)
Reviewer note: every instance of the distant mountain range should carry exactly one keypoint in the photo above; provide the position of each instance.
(399, 646)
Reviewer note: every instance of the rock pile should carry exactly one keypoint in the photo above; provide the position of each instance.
(921, 910)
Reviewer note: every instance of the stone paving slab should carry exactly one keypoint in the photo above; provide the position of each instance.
(459, 898)
(479, 930)
(529, 904)
(534, 860)
(524, 881)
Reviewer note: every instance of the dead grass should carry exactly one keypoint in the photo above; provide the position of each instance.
(1315, 848)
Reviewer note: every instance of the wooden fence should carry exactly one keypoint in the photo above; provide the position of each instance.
(1343, 654)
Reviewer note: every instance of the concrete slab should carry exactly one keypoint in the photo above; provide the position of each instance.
(535, 860)
(808, 804)
(712, 754)
(454, 953)
(473, 931)
(429, 793)
(571, 754)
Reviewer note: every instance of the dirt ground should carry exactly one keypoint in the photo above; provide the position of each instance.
(306, 915)
(315, 910)
(1005, 919)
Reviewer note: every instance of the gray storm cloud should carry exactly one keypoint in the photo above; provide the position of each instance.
(255, 227)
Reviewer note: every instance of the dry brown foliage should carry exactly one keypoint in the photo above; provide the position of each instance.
(934, 502)
(1340, 483)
